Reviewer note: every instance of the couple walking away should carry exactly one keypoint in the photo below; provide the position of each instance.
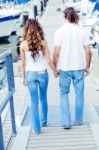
(71, 45)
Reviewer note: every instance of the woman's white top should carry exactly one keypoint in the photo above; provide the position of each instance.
(35, 65)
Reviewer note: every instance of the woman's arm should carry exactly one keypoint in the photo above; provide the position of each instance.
(49, 61)
(22, 53)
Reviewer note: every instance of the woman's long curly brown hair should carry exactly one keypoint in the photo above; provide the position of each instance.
(34, 35)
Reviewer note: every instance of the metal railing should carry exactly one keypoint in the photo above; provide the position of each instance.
(7, 57)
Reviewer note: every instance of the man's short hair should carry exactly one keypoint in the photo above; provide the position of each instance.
(71, 15)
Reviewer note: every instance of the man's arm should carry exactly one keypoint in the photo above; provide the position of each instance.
(88, 59)
(56, 55)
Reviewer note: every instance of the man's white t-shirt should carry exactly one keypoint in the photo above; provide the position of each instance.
(71, 38)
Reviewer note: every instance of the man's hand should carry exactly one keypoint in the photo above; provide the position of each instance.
(56, 73)
(23, 82)
(87, 71)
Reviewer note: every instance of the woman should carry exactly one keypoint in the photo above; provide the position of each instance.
(34, 51)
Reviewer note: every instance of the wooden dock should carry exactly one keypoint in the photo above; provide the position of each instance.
(56, 138)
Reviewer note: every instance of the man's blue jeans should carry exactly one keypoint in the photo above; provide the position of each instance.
(37, 83)
(65, 78)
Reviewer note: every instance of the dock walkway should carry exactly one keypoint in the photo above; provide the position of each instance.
(54, 137)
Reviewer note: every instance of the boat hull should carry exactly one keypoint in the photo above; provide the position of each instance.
(7, 24)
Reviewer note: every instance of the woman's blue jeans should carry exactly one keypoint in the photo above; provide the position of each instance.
(37, 83)
(65, 78)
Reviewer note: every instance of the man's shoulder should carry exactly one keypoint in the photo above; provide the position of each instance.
(82, 28)
(59, 30)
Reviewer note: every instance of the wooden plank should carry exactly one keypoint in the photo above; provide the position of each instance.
(67, 147)
(63, 136)
(95, 131)
(61, 143)
(61, 148)
(58, 139)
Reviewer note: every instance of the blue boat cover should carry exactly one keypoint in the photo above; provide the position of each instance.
(92, 1)
(96, 7)
(15, 1)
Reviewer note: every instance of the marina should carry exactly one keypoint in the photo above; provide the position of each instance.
(53, 137)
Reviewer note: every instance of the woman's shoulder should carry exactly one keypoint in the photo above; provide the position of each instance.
(44, 42)
(23, 44)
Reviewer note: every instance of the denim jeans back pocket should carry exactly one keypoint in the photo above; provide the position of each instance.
(43, 76)
(31, 76)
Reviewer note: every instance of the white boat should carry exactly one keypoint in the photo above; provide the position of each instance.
(7, 23)
(9, 18)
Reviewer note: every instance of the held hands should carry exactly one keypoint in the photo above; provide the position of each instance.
(23, 82)
(56, 73)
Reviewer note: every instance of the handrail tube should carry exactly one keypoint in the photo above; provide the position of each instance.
(10, 79)
(12, 116)
(3, 55)
(7, 56)
(4, 102)
(1, 136)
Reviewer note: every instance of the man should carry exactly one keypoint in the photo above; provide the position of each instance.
(71, 42)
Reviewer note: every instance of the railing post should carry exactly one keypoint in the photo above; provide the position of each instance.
(25, 18)
(12, 116)
(44, 3)
(11, 86)
(42, 8)
(35, 11)
(1, 136)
